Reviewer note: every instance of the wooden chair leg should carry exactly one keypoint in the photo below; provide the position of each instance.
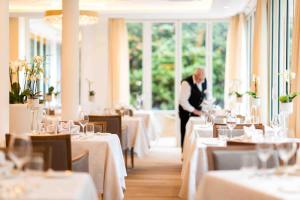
(132, 157)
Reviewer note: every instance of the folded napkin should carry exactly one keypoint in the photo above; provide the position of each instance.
(249, 131)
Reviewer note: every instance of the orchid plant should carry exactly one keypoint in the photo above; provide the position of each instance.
(234, 88)
(289, 96)
(255, 81)
(32, 73)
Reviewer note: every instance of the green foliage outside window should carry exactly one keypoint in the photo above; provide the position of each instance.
(163, 66)
(219, 58)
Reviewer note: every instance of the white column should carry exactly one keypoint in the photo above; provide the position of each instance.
(4, 77)
(70, 59)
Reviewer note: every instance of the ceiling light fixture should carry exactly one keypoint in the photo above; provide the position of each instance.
(87, 17)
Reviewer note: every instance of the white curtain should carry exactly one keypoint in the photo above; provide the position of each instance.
(260, 56)
(118, 62)
(235, 70)
(295, 117)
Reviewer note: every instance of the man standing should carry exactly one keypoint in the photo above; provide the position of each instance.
(192, 94)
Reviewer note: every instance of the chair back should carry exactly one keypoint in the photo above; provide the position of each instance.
(238, 130)
(80, 162)
(231, 158)
(56, 150)
(107, 123)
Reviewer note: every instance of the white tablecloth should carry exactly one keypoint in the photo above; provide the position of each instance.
(152, 128)
(78, 186)
(137, 136)
(195, 165)
(236, 185)
(106, 164)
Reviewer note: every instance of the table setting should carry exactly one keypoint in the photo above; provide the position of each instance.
(29, 180)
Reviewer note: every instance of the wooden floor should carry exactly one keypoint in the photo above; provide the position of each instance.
(156, 176)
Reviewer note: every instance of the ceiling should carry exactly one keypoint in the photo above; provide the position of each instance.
(206, 9)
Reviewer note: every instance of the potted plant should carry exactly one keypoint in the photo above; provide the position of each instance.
(24, 89)
(286, 100)
(92, 93)
(49, 94)
(238, 96)
(255, 99)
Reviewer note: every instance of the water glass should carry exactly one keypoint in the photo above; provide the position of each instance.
(264, 152)
(231, 123)
(83, 120)
(19, 149)
(275, 124)
(36, 163)
(90, 129)
(223, 134)
(286, 150)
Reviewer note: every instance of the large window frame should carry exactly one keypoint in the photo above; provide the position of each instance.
(147, 56)
(279, 47)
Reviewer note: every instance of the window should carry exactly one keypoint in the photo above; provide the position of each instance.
(281, 26)
(218, 60)
(47, 45)
(163, 53)
(193, 47)
(163, 66)
(135, 38)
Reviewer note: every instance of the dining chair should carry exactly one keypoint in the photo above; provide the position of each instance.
(238, 130)
(58, 148)
(80, 161)
(231, 158)
(111, 124)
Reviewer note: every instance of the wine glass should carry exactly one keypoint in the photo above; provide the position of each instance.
(231, 122)
(83, 120)
(286, 150)
(19, 149)
(264, 152)
(275, 124)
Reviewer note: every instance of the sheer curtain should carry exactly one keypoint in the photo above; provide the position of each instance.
(260, 55)
(235, 69)
(118, 62)
(295, 117)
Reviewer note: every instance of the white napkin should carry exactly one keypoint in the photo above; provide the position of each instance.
(249, 131)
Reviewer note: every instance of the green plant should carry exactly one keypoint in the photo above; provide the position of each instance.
(252, 94)
(92, 93)
(287, 79)
(50, 90)
(288, 98)
(32, 75)
(237, 94)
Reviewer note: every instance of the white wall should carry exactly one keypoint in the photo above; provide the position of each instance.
(94, 64)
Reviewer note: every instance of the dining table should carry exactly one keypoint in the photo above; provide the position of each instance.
(106, 163)
(248, 184)
(195, 165)
(48, 186)
(137, 137)
(152, 126)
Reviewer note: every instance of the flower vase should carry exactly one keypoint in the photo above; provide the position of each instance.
(286, 109)
(255, 104)
(34, 107)
(91, 98)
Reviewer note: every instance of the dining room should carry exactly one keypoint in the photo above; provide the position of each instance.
(140, 99)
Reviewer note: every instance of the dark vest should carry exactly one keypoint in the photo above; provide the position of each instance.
(196, 97)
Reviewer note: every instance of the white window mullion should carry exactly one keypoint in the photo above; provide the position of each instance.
(147, 64)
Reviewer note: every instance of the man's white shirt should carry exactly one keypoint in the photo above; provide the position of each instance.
(185, 93)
